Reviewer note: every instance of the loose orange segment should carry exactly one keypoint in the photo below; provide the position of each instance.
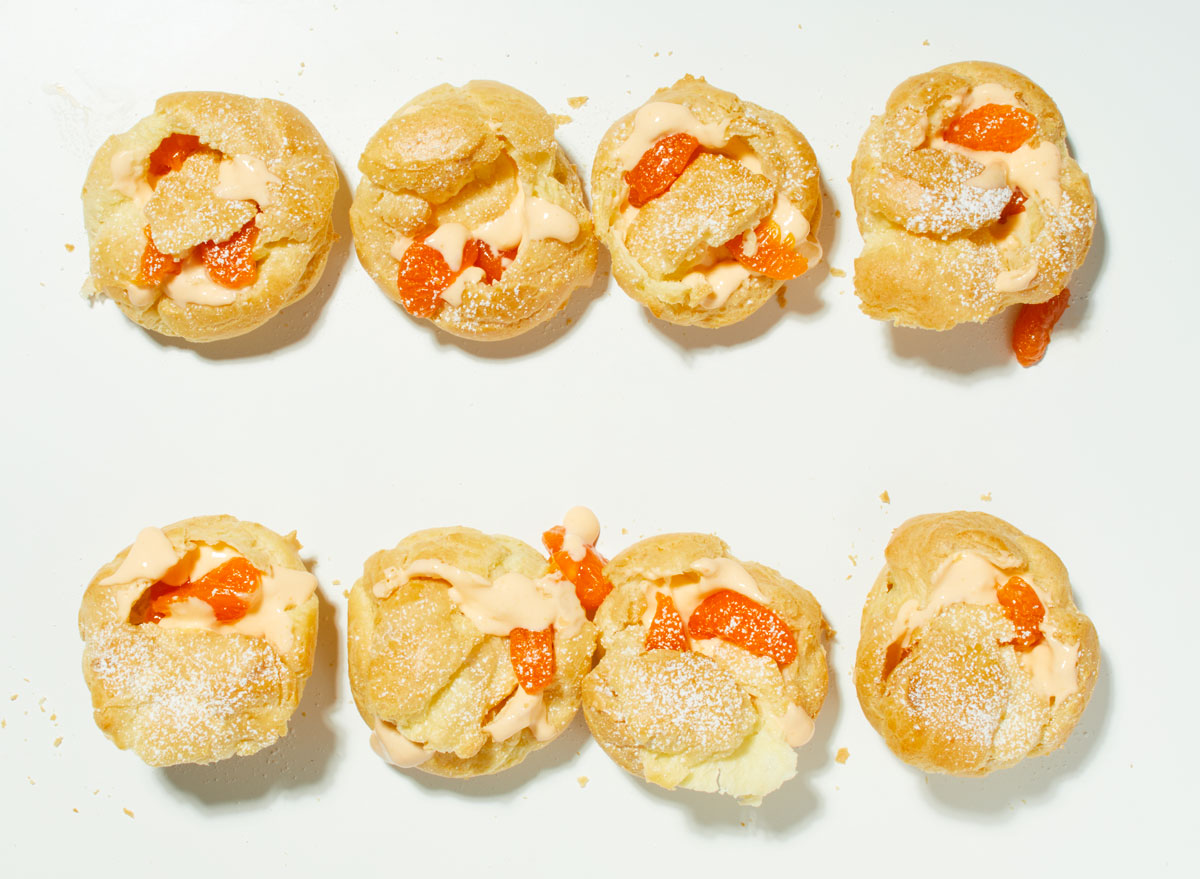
(424, 274)
(231, 263)
(993, 127)
(228, 589)
(532, 655)
(1031, 333)
(1015, 205)
(491, 262)
(591, 586)
(733, 617)
(171, 153)
(774, 255)
(1023, 608)
(659, 167)
(154, 267)
(667, 631)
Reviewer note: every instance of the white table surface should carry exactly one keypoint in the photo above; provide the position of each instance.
(354, 424)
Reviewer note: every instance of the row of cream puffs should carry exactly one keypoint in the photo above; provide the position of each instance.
(215, 212)
(468, 651)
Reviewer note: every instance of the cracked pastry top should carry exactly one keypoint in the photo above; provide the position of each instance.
(713, 670)
(198, 639)
(973, 655)
(708, 204)
(968, 200)
(469, 213)
(467, 650)
(210, 215)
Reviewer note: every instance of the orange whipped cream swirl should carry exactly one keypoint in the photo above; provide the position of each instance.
(211, 587)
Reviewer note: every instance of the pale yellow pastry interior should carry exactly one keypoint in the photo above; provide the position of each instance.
(943, 672)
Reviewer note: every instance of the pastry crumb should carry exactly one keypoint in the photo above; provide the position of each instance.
(70, 247)
(924, 42)
(345, 593)
(885, 497)
(849, 576)
(337, 582)
(13, 697)
(624, 530)
(76, 811)
(986, 497)
(842, 755)
(655, 54)
(128, 812)
(837, 273)
(58, 741)
(853, 559)
(583, 781)
(837, 214)
(578, 101)
(561, 119)
(31, 781)
(781, 296)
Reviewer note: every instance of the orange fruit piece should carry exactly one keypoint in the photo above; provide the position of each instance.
(532, 655)
(170, 154)
(667, 631)
(775, 255)
(1031, 333)
(1023, 608)
(424, 274)
(659, 167)
(154, 267)
(492, 262)
(1015, 205)
(231, 263)
(993, 127)
(227, 589)
(591, 586)
(733, 617)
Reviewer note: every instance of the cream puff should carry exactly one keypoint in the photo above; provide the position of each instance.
(713, 669)
(210, 215)
(973, 655)
(469, 213)
(198, 640)
(708, 204)
(968, 200)
(467, 651)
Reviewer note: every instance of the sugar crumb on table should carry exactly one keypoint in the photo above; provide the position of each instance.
(837, 273)
(842, 755)
(583, 781)
(128, 812)
(885, 497)
(986, 496)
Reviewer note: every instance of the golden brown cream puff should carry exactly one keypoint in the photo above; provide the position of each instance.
(968, 200)
(210, 215)
(467, 650)
(713, 669)
(198, 640)
(707, 203)
(973, 655)
(470, 214)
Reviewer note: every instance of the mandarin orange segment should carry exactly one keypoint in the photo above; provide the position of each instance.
(667, 631)
(227, 589)
(170, 154)
(532, 655)
(774, 254)
(1024, 609)
(1015, 205)
(993, 127)
(1031, 333)
(154, 267)
(492, 263)
(587, 574)
(733, 617)
(231, 263)
(424, 274)
(659, 167)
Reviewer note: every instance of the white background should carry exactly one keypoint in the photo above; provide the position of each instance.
(354, 424)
